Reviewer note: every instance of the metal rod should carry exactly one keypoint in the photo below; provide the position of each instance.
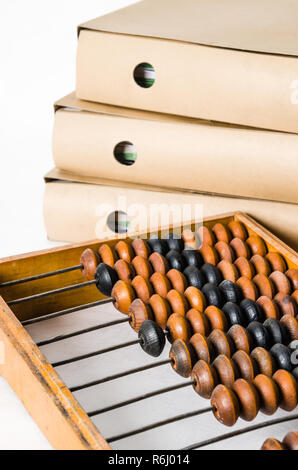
(159, 424)
(96, 353)
(140, 398)
(40, 276)
(83, 331)
(120, 375)
(228, 435)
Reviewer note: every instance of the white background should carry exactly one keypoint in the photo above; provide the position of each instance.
(37, 67)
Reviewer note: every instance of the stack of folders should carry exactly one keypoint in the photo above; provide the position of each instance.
(175, 104)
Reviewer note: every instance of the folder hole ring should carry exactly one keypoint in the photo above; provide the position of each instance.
(144, 75)
(125, 153)
(118, 222)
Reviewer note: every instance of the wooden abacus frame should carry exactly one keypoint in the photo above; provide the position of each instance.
(50, 403)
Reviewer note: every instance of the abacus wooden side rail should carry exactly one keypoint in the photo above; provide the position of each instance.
(51, 404)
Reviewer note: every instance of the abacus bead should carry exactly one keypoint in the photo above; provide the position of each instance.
(123, 295)
(209, 254)
(282, 356)
(174, 243)
(251, 310)
(189, 239)
(141, 247)
(291, 325)
(248, 288)
(241, 248)
(178, 327)
(183, 357)
(124, 270)
(268, 307)
(268, 393)
(261, 265)
(90, 260)
(247, 366)
(259, 334)
(192, 257)
(195, 298)
(295, 373)
(206, 235)
(228, 270)
(161, 309)
(106, 277)
(199, 322)
(222, 344)
(213, 295)
(287, 389)
(231, 292)
(286, 303)
(203, 347)
(240, 338)
(159, 245)
(245, 267)
(160, 283)
(175, 260)
(265, 285)
(178, 302)
(256, 245)
(226, 370)
(294, 295)
(142, 287)
(138, 313)
(108, 255)
(159, 263)
(273, 444)
(225, 405)
(248, 399)
(276, 261)
(291, 440)
(216, 317)
(225, 251)
(237, 229)
(152, 338)
(194, 277)
(222, 233)
(264, 360)
(142, 267)
(234, 314)
(124, 251)
(211, 273)
(205, 378)
(292, 275)
(177, 280)
(281, 282)
(277, 331)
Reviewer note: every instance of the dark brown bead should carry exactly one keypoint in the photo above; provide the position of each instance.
(225, 251)
(240, 338)
(138, 313)
(264, 360)
(248, 288)
(287, 389)
(276, 261)
(281, 282)
(247, 366)
(291, 325)
(209, 254)
(206, 235)
(178, 327)
(261, 265)
(183, 357)
(268, 393)
(248, 398)
(124, 251)
(228, 270)
(159, 262)
(123, 295)
(177, 279)
(273, 444)
(294, 295)
(141, 247)
(143, 288)
(142, 267)
(216, 317)
(161, 284)
(124, 270)
(291, 440)
(241, 248)
(257, 245)
(221, 343)
(287, 304)
(205, 378)
(161, 309)
(269, 307)
(178, 302)
(226, 370)
(265, 285)
(203, 347)
(225, 405)
(199, 322)
(195, 298)
(292, 275)
(90, 260)
(222, 233)
(108, 254)
(238, 230)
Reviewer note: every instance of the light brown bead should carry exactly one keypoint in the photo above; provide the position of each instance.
(199, 322)
(195, 298)
(291, 325)
(287, 389)
(240, 248)
(228, 270)
(261, 264)
(256, 245)
(294, 295)
(226, 370)
(240, 338)
(286, 303)
(178, 302)
(206, 235)
(108, 254)
(161, 309)
(123, 294)
(265, 285)
(159, 263)
(291, 440)
(222, 233)
(238, 230)
(268, 393)
(205, 378)
(90, 260)
(124, 251)
(143, 288)
(264, 360)
(281, 282)
(276, 261)
(248, 288)
(222, 344)
(138, 313)
(216, 317)
(245, 267)
(178, 280)
(125, 271)
(178, 327)
(248, 399)
(225, 405)
(203, 347)
(183, 357)
(189, 239)
(269, 307)
(247, 366)
(141, 247)
(209, 254)
(292, 275)
(142, 267)
(225, 251)
(161, 284)
(273, 444)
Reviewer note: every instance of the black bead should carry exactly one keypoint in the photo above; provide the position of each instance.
(192, 257)
(175, 260)
(175, 243)
(212, 273)
(213, 295)
(158, 245)
(251, 310)
(295, 373)
(194, 277)
(282, 356)
(105, 277)
(152, 338)
(231, 292)
(234, 314)
(277, 331)
(259, 334)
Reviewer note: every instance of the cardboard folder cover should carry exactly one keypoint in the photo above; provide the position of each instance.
(77, 208)
(231, 61)
(175, 152)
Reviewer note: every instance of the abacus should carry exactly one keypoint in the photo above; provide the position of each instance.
(219, 307)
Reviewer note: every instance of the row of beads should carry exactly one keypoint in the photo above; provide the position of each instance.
(289, 442)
